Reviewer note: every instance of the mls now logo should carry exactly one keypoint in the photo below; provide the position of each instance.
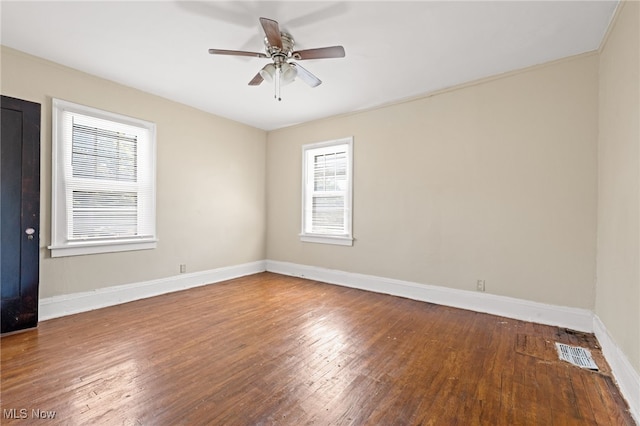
(23, 413)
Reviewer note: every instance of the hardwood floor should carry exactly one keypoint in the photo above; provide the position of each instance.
(270, 349)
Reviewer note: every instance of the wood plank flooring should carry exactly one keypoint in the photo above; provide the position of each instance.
(269, 349)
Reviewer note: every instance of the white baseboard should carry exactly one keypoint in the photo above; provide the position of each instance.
(573, 318)
(627, 377)
(57, 306)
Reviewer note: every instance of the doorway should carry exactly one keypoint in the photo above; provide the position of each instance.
(19, 213)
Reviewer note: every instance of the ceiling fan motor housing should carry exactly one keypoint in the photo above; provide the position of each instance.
(287, 46)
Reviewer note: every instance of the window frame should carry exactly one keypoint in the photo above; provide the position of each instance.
(61, 244)
(346, 238)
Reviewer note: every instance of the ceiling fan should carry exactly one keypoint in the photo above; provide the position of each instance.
(279, 48)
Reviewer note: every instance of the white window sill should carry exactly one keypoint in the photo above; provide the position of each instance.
(327, 239)
(82, 248)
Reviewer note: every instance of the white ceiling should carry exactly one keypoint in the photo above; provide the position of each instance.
(394, 50)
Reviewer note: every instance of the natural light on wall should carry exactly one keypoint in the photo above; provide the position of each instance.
(103, 187)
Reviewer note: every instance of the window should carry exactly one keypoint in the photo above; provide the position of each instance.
(103, 189)
(327, 187)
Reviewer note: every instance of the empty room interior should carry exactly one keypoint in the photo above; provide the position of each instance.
(363, 213)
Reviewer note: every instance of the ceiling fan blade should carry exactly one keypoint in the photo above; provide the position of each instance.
(306, 76)
(236, 53)
(272, 31)
(255, 81)
(319, 53)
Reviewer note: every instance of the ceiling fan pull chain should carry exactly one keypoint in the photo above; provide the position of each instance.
(278, 73)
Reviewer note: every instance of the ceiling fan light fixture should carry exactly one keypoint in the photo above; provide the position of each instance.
(268, 72)
(288, 73)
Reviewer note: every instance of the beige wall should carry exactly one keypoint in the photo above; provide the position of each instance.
(210, 181)
(493, 181)
(618, 270)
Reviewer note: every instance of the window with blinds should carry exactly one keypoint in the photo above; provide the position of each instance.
(327, 184)
(103, 181)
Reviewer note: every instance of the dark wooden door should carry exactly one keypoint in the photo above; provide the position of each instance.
(19, 213)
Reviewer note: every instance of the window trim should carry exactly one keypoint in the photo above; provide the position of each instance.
(342, 239)
(60, 244)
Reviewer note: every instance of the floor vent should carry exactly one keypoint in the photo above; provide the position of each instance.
(576, 356)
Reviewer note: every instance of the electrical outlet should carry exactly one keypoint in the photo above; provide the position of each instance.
(183, 268)
(480, 285)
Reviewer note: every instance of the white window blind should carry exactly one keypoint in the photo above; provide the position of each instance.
(103, 181)
(327, 192)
